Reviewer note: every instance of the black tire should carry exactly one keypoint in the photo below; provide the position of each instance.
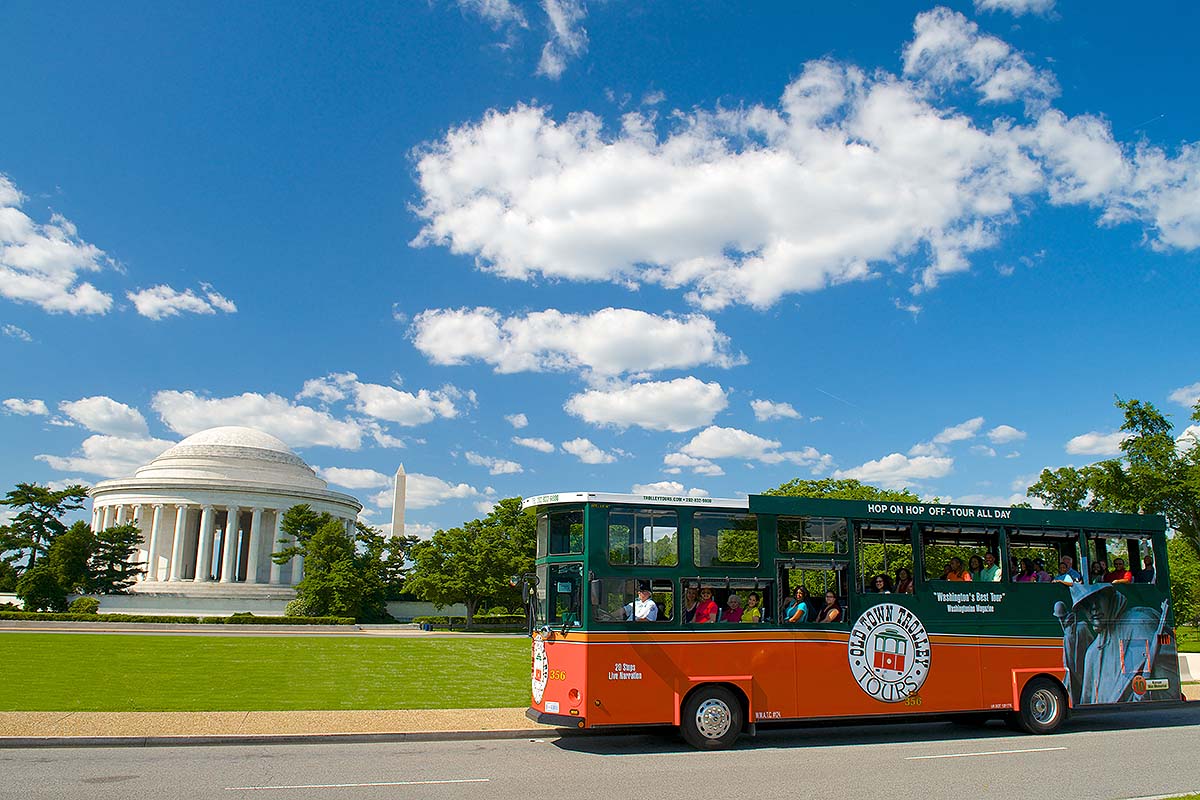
(1043, 706)
(711, 718)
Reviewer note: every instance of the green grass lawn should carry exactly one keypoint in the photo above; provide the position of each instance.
(1187, 640)
(69, 672)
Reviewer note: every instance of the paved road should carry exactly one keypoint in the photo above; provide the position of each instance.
(1100, 757)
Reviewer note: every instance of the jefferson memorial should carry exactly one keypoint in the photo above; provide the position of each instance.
(210, 510)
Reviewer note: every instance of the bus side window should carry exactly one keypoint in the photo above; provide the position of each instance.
(883, 550)
(960, 553)
(1038, 552)
(618, 599)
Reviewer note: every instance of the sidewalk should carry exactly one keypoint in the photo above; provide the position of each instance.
(66, 729)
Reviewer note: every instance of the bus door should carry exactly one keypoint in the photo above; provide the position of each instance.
(820, 645)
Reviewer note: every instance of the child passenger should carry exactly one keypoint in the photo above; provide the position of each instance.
(753, 612)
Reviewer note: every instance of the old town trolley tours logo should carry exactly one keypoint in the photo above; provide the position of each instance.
(541, 668)
(889, 653)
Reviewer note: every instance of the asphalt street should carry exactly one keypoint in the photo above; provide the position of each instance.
(1099, 757)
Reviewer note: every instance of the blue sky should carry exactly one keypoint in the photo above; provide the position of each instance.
(539, 246)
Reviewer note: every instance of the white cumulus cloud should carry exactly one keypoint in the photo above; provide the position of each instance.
(765, 410)
(959, 432)
(1186, 396)
(518, 421)
(386, 402)
(851, 172)
(676, 463)
(947, 48)
(1095, 443)
(300, 426)
(495, 466)
(608, 342)
(108, 456)
(350, 478)
(25, 408)
(1003, 434)
(541, 445)
(41, 263)
(14, 332)
(716, 442)
(567, 37)
(162, 301)
(588, 453)
(677, 405)
(897, 471)
(104, 415)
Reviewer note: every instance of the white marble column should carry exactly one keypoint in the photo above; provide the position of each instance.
(255, 545)
(95, 517)
(121, 514)
(297, 568)
(350, 530)
(276, 569)
(142, 555)
(176, 565)
(204, 556)
(229, 545)
(151, 573)
(106, 517)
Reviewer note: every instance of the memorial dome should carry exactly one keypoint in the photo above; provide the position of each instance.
(232, 453)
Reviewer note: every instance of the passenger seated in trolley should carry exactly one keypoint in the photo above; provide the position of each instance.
(882, 584)
(707, 611)
(753, 612)
(798, 608)
(832, 612)
(904, 581)
(955, 571)
(733, 608)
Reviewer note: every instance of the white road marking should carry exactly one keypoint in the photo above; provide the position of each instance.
(987, 753)
(354, 785)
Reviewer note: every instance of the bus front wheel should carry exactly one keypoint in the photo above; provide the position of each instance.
(1043, 706)
(711, 718)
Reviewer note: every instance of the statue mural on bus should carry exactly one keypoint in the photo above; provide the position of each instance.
(1115, 653)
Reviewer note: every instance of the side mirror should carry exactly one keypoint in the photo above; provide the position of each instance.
(594, 592)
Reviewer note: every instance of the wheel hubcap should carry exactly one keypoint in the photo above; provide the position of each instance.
(1044, 706)
(713, 719)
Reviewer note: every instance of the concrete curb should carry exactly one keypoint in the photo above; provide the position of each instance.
(30, 742)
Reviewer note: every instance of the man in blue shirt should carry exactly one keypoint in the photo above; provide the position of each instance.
(1066, 572)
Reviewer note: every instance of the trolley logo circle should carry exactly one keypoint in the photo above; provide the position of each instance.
(541, 668)
(889, 653)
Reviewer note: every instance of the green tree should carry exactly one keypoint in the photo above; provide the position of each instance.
(472, 564)
(38, 519)
(112, 567)
(70, 558)
(832, 489)
(39, 589)
(1184, 566)
(8, 577)
(1155, 474)
(343, 576)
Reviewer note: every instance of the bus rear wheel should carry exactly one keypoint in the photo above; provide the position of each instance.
(1043, 706)
(711, 718)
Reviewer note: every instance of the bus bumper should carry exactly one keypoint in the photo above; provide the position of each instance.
(557, 720)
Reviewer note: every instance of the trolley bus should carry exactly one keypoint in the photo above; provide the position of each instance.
(658, 610)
